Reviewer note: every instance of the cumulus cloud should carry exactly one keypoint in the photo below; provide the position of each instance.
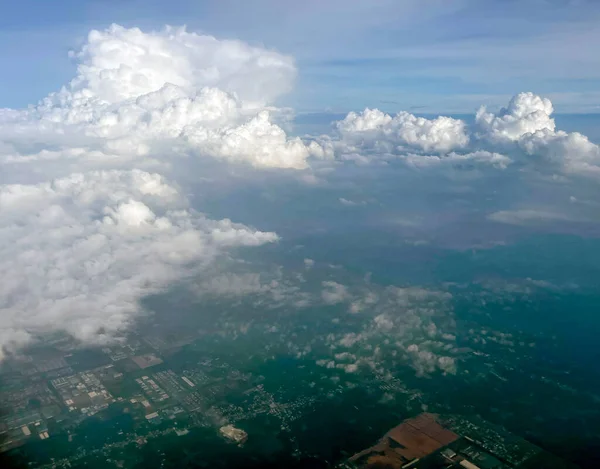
(383, 322)
(373, 129)
(334, 293)
(79, 252)
(523, 132)
(526, 113)
(425, 361)
(363, 303)
(527, 122)
(121, 63)
(571, 153)
(141, 93)
(398, 327)
(89, 221)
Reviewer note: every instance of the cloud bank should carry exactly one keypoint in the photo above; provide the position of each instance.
(92, 216)
(523, 132)
(87, 228)
(79, 252)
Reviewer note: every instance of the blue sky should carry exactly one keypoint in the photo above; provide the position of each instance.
(419, 55)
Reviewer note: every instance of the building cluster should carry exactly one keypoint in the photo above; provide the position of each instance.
(53, 391)
(82, 392)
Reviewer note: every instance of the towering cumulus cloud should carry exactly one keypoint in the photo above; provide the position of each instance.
(137, 94)
(119, 63)
(87, 225)
(527, 122)
(526, 113)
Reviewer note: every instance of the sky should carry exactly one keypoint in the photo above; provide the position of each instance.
(421, 56)
(148, 145)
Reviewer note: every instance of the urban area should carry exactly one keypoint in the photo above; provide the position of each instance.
(69, 407)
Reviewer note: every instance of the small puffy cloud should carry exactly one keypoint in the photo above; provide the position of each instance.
(345, 356)
(309, 263)
(361, 304)
(326, 363)
(383, 322)
(411, 326)
(425, 361)
(334, 293)
(350, 339)
(369, 119)
(351, 203)
(348, 367)
(229, 234)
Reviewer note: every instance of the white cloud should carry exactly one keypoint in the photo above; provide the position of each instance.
(425, 361)
(257, 141)
(369, 119)
(350, 339)
(334, 293)
(139, 93)
(79, 252)
(309, 263)
(351, 203)
(326, 363)
(348, 367)
(409, 326)
(377, 130)
(86, 227)
(345, 356)
(121, 63)
(527, 121)
(571, 153)
(523, 132)
(383, 322)
(526, 113)
(361, 304)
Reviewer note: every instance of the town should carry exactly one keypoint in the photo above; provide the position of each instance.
(54, 388)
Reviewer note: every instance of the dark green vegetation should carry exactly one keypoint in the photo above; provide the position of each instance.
(313, 380)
